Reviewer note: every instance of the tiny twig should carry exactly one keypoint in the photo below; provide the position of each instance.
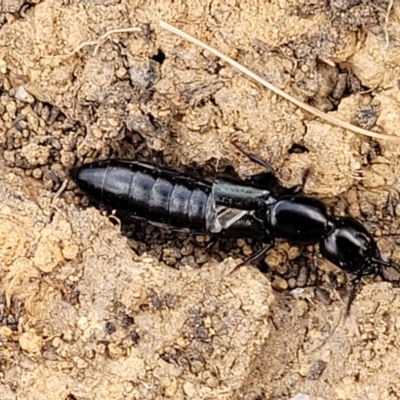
(98, 42)
(326, 340)
(389, 9)
(59, 191)
(57, 195)
(257, 78)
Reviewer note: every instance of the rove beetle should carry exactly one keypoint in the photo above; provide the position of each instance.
(257, 207)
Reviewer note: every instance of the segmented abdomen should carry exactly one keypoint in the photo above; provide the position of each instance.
(159, 195)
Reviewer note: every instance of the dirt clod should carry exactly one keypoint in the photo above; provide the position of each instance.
(197, 318)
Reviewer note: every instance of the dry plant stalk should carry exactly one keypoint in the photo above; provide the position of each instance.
(386, 26)
(97, 42)
(257, 78)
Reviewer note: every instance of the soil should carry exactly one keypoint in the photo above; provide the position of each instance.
(87, 313)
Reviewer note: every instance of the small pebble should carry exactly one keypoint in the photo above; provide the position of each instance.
(316, 370)
(201, 257)
(187, 249)
(302, 278)
(37, 173)
(171, 388)
(170, 256)
(23, 95)
(30, 341)
(279, 283)
(83, 323)
(135, 337)
(240, 242)
(300, 396)
(5, 331)
(247, 250)
(292, 283)
(181, 342)
(70, 251)
(110, 327)
(127, 320)
(189, 389)
(56, 342)
(323, 296)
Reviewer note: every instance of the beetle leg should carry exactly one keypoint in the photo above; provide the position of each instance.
(294, 190)
(355, 284)
(305, 175)
(298, 189)
(254, 257)
(264, 179)
(269, 180)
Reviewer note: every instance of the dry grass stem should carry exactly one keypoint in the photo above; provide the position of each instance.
(304, 106)
(97, 42)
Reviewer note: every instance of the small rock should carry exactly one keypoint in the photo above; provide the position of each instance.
(23, 95)
(316, 370)
(80, 363)
(31, 342)
(37, 173)
(56, 342)
(70, 251)
(300, 396)
(47, 256)
(3, 66)
(189, 389)
(171, 388)
(5, 331)
(83, 323)
(279, 284)
(36, 154)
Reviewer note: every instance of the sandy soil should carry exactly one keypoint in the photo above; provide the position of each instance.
(92, 320)
(68, 292)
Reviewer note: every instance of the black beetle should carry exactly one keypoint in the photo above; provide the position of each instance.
(257, 207)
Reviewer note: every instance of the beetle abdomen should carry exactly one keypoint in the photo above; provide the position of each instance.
(158, 195)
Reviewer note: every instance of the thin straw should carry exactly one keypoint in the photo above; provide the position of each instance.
(276, 90)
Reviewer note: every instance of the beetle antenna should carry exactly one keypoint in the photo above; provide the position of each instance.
(395, 266)
(389, 264)
(255, 159)
(253, 257)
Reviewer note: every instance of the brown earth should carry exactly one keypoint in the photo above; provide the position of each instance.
(83, 316)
